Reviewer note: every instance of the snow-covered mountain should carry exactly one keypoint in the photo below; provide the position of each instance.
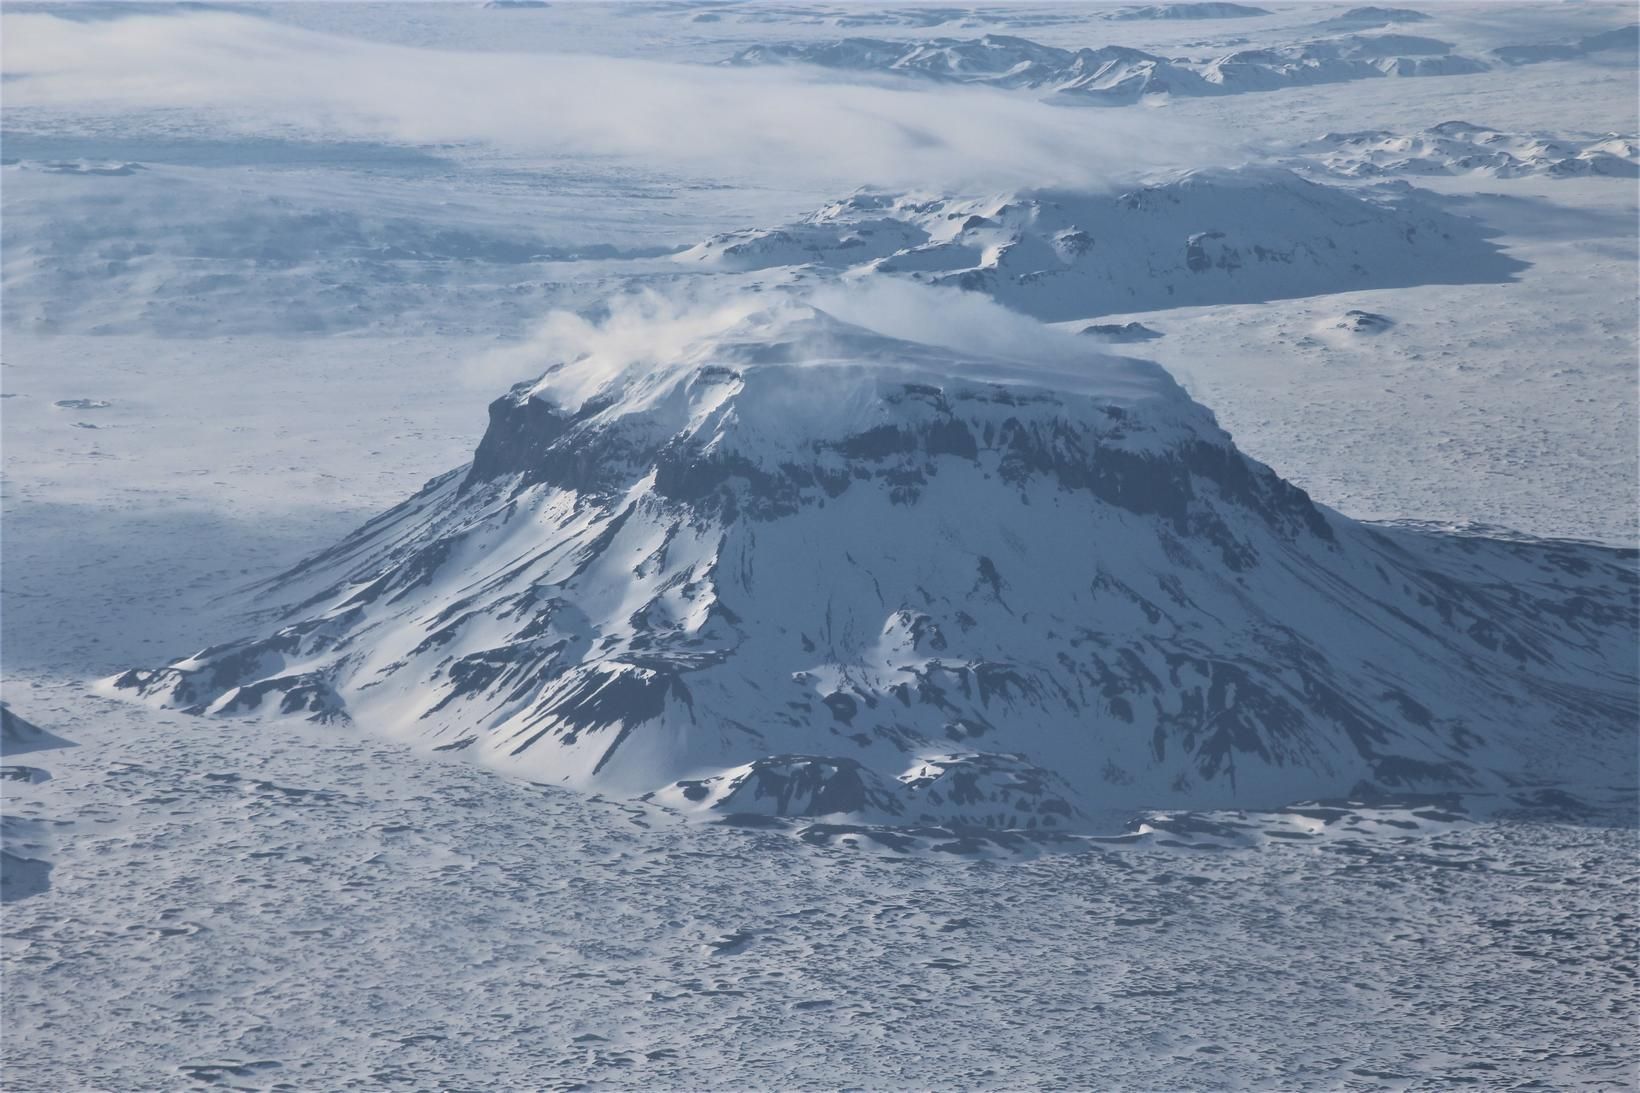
(1371, 18)
(1209, 10)
(1211, 236)
(1337, 60)
(1460, 147)
(1118, 75)
(1114, 75)
(794, 565)
(852, 15)
(1121, 333)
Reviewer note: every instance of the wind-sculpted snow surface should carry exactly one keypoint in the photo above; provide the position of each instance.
(1229, 236)
(1121, 76)
(800, 567)
(1460, 148)
(304, 908)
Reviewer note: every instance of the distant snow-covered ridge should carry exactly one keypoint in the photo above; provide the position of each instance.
(1120, 76)
(1208, 10)
(1371, 18)
(1210, 236)
(1007, 15)
(800, 567)
(855, 16)
(1616, 43)
(1460, 147)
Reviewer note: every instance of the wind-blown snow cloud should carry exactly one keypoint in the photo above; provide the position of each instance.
(642, 330)
(658, 333)
(239, 74)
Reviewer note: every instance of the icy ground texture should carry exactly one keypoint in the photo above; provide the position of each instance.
(799, 567)
(1459, 147)
(1121, 76)
(324, 909)
(1211, 236)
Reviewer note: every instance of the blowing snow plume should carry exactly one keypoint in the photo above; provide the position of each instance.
(765, 557)
(255, 77)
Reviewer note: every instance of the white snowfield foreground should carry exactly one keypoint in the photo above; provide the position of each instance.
(800, 567)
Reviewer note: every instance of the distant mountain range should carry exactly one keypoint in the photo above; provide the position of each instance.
(1120, 76)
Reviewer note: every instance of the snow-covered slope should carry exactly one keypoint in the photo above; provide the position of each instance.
(1216, 236)
(800, 567)
(1460, 147)
(19, 737)
(25, 840)
(1118, 75)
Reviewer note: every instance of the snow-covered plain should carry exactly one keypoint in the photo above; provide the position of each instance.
(316, 909)
(264, 267)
